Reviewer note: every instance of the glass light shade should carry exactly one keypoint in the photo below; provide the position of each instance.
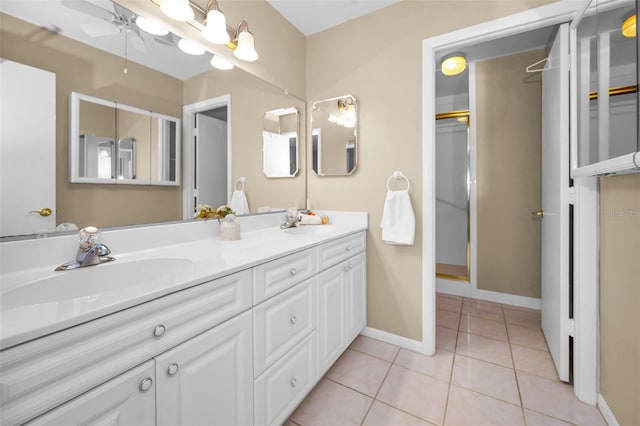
(453, 65)
(629, 27)
(333, 119)
(191, 47)
(180, 10)
(216, 29)
(246, 50)
(221, 63)
(150, 26)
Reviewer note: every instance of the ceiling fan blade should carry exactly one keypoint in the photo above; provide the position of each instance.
(88, 9)
(137, 41)
(167, 40)
(100, 29)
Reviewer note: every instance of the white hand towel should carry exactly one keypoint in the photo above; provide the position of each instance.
(239, 202)
(398, 221)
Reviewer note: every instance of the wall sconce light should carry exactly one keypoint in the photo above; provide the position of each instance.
(215, 29)
(220, 63)
(151, 26)
(453, 64)
(629, 27)
(180, 10)
(191, 47)
(245, 47)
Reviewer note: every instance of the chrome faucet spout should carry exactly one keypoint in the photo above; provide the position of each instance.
(89, 252)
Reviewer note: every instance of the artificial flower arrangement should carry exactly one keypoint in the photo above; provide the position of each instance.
(205, 211)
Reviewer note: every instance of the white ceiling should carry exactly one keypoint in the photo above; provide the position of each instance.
(312, 16)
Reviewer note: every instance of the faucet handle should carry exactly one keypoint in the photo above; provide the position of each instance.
(89, 236)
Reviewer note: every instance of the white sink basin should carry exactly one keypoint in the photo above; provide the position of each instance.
(311, 230)
(90, 282)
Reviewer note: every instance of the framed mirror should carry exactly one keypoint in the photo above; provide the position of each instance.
(334, 136)
(116, 143)
(280, 129)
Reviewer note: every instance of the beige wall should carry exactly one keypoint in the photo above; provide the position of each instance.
(620, 296)
(508, 146)
(84, 69)
(377, 58)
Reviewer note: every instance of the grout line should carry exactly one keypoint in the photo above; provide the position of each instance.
(515, 373)
(453, 363)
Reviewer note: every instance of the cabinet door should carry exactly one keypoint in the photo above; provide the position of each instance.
(331, 321)
(356, 299)
(128, 399)
(208, 379)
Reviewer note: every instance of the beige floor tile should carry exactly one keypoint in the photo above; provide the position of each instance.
(359, 371)
(484, 348)
(448, 303)
(467, 408)
(483, 327)
(528, 337)
(482, 309)
(447, 319)
(438, 366)
(446, 338)
(522, 316)
(556, 399)
(332, 404)
(290, 423)
(537, 419)
(486, 378)
(383, 415)
(415, 393)
(534, 361)
(375, 348)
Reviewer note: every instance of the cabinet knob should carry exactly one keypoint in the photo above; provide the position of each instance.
(159, 330)
(293, 271)
(293, 319)
(145, 384)
(351, 266)
(293, 382)
(347, 248)
(173, 369)
(346, 267)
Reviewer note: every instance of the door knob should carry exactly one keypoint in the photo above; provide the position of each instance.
(43, 212)
(538, 214)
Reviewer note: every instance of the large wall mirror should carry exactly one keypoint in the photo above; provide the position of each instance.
(334, 136)
(59, 37)
(280, 143)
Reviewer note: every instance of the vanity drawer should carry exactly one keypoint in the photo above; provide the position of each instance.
(334, 252)
(273, 277)
(283, 386)
(39, 375)
(281, 322)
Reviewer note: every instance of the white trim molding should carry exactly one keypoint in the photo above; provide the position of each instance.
(392, 339)
(608, 415)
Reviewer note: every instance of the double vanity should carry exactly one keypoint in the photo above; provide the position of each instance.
(182, 328)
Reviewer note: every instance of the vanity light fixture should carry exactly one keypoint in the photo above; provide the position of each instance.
(180, 10)
(150, 26)
(220, 63)
(215, 29)
(245, 46)
(629, 27)
(453, 64)
(191, 47)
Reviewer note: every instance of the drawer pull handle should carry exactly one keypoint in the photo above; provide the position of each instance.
(293, 382)
(293, 319)
(145, 384)
(173, 369)
(293, 271)
(159, 330)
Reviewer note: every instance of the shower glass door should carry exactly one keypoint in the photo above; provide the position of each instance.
(452, 195)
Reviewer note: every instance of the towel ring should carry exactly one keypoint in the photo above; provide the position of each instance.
(241, 182)
(398, 175)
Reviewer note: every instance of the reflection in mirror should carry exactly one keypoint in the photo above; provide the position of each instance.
(280, 142)
(607, 85)
(334, 136)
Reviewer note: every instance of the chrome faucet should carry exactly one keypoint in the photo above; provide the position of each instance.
(90, 252)
(292, 220)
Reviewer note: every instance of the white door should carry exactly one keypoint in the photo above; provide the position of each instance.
(27, 136)
(208, 380)
(555, 202)
(129, 399)
(211, 160)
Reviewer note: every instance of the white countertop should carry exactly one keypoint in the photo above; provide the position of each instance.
(208, 258)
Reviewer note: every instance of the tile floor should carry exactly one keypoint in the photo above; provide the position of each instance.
(492, 367)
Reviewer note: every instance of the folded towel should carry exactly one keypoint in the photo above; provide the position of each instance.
(239, 202)
(398, 221)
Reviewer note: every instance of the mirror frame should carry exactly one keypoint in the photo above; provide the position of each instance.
(74, 147)
(313, 167)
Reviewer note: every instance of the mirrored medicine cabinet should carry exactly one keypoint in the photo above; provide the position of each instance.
(113, 143)
(280, 134)
(334, 136)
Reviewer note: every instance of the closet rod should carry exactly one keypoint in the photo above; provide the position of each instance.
(615, 91)
(452, 114)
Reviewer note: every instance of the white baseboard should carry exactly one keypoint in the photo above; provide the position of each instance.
(465, 289)
(456, 288)
(393, 339)
(608, 415)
